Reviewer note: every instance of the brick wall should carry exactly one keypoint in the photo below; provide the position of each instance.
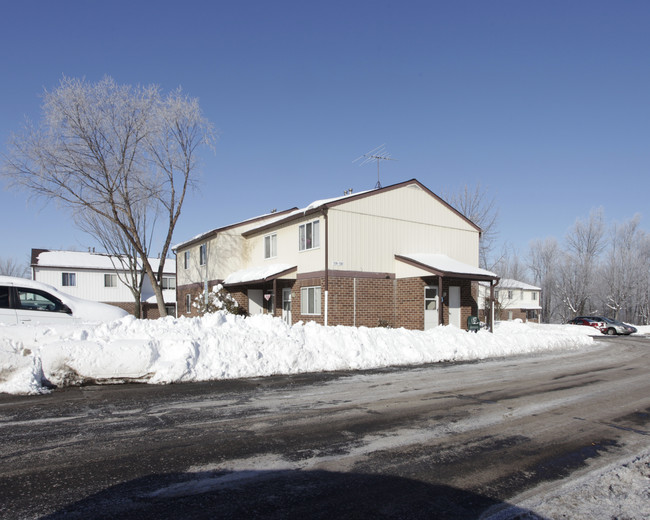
(148, 310)
(364, 301)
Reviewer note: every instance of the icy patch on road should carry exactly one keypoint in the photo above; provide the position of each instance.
(618, 491)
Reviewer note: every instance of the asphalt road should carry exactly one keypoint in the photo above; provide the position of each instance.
(435, 441)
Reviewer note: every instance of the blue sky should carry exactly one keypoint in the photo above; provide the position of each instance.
(545, 104)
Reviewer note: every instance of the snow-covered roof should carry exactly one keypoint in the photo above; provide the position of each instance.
(100, 261)
(509, 283)
(169, 296)
(258, 273)
(447, 265)
(301, 211)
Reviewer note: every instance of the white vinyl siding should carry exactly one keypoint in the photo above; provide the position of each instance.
(366, 234)
(310, 300)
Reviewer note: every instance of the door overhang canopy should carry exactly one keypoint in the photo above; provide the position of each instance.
(444, 266)
(258, 274)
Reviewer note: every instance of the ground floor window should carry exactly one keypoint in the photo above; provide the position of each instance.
(68, 279)
(310, 300)
(170, 309)
(188, 303)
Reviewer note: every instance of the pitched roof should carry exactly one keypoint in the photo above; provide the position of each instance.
(509, 283)
(443, 265)
(319, 205)
(83, 260)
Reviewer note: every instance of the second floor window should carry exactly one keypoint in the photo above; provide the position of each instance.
(110, 280)
(68, 279)
(271, 246)
(202, 254)
(186, 259)
(534, 295)
(168, 282)
(309, 235)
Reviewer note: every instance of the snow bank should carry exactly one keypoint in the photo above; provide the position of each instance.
(224, 346)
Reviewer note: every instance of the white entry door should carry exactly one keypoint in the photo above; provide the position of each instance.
(255, 301)
(286, 305)
(431, 303)
(454, 306)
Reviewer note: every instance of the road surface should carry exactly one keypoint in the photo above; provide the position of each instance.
(435, 441)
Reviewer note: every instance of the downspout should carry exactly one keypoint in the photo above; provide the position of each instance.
(440, 301)
(327, 272)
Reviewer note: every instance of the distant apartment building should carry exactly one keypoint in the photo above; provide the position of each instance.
(101, 277)
(515, 300)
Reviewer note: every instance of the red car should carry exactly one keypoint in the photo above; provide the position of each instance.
(601, 326)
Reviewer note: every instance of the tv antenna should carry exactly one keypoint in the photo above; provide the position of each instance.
(378, 154)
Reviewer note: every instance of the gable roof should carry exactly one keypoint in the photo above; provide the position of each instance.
(83, 260)
(319, 206)
(509, 283)
(213, 232)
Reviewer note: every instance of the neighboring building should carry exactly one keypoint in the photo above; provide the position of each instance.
(397, 256)
(515, 300)
(99, 277)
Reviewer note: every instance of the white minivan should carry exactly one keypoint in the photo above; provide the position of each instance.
(27, 302)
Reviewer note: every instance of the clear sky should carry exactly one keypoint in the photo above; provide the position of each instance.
(545, 104)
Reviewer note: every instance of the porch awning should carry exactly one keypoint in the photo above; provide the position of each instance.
(259, 274)
(442, 265)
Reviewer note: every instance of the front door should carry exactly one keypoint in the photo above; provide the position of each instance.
(286, 305)
(255, 301)
(454, 306)
(431, 303)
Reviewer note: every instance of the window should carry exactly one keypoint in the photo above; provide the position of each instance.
(533, 295)
(309, 236)
(68, 279)
(4, 297)
(168, 282)
(509, 295)
(170, 309)
(521, 296)
(186, 259)
(110, 280)
(202, 254)
(35, 300)
(188, 303)
(310, 300)
(271, 246)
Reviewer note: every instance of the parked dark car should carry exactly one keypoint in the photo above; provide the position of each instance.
(614, 326)
(582, 320)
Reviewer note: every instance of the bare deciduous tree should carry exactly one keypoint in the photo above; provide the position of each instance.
(11, 267)
(542, 262)
(110, 150)
(476, 205)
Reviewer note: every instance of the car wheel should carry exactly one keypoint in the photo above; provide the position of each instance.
(611, 331)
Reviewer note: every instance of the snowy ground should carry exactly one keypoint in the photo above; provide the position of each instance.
(222, 346)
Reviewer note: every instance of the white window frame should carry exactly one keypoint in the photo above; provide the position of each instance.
(188, 303)
(534, 295)
(271, 246)
(202, 254)
(111, 278)
(310, 300)
(68, 279)
(306, 229)
(168, 283)
(186, 259)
